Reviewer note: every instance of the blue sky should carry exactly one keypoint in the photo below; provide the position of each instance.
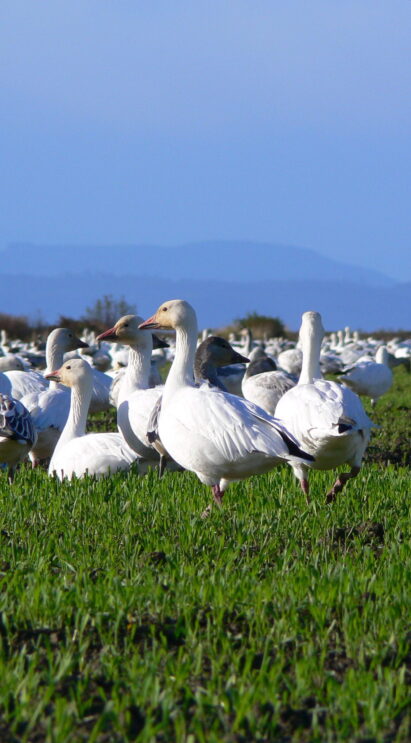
(170, 121)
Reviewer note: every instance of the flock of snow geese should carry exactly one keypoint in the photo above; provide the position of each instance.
(226, 410)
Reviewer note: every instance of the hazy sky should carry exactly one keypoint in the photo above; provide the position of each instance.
(170, 121)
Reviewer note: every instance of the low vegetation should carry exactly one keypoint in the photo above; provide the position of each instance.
(125, 616)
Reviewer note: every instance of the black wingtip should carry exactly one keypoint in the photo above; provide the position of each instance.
(295, 450)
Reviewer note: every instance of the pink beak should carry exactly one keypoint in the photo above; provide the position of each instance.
(150, 323)
(54, 376)
(108, 335)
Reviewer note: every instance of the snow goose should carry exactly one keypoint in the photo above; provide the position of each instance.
(326, 417)
(370, 378)
(77, 453)
(135, 398)
(49, 408)
(218, 436)
(266, 388)
(17, 432)
(291, 361)
(213, 352)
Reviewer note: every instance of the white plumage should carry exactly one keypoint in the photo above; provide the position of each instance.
(327, 418)
(78, 453)
(218, 436)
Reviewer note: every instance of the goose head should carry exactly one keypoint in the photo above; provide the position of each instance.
(311, 326)
(65, 340)
(73, 373)
(172, 315)
(127, 331)
(219, 352)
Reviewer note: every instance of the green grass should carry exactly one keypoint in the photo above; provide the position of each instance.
(125, 616)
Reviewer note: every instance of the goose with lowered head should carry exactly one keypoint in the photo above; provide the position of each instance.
(326, 417)
(77, 453)
(218, 436)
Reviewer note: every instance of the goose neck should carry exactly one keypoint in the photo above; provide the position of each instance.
(54, 356)
(311, 348)
(77, 419)
(137, 373)
(181, 373)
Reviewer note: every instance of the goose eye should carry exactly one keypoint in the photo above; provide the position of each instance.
(165, 309)
(68, 367)
(125, 325)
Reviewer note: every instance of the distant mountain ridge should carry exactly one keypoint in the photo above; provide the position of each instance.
(229, 261)
(217, 302)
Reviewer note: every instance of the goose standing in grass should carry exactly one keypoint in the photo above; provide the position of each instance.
(213, 354)
(218, 436)
(77, 453)
(135, 399)
(326, 417)
(370, 378)
(49, 408)
(17, 433)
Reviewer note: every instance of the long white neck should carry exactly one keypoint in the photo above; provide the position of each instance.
(54, 358)
(181, 373)
(311, 335)
(136, 376)
(77, 419)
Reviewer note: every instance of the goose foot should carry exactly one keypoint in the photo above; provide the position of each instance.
(218, 500)
(340, 482)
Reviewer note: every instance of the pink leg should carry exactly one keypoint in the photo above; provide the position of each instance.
(218, 499)
(218, 495)
(305, 487)
(340, 482)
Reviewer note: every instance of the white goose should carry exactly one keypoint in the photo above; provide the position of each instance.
(78, 453)
(370, 378)
(17, 433)
(327, 418)
(49, 408)
(218, 436)
(135, 398)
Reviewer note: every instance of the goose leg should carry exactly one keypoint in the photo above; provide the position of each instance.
(340, 482)
(305, 487)
(218, 500)
(218, 495)
(162, 465)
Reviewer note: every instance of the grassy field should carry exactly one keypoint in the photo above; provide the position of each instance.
(124, 616)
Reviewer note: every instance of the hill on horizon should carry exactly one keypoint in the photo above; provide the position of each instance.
(208, 260)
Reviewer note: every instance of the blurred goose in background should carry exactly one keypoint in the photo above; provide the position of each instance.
(291, 361)
(211, 355)
(17, 433)
(266, 389)
(218, 436)
(326, 417)
(370, 378)
(77, 453)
